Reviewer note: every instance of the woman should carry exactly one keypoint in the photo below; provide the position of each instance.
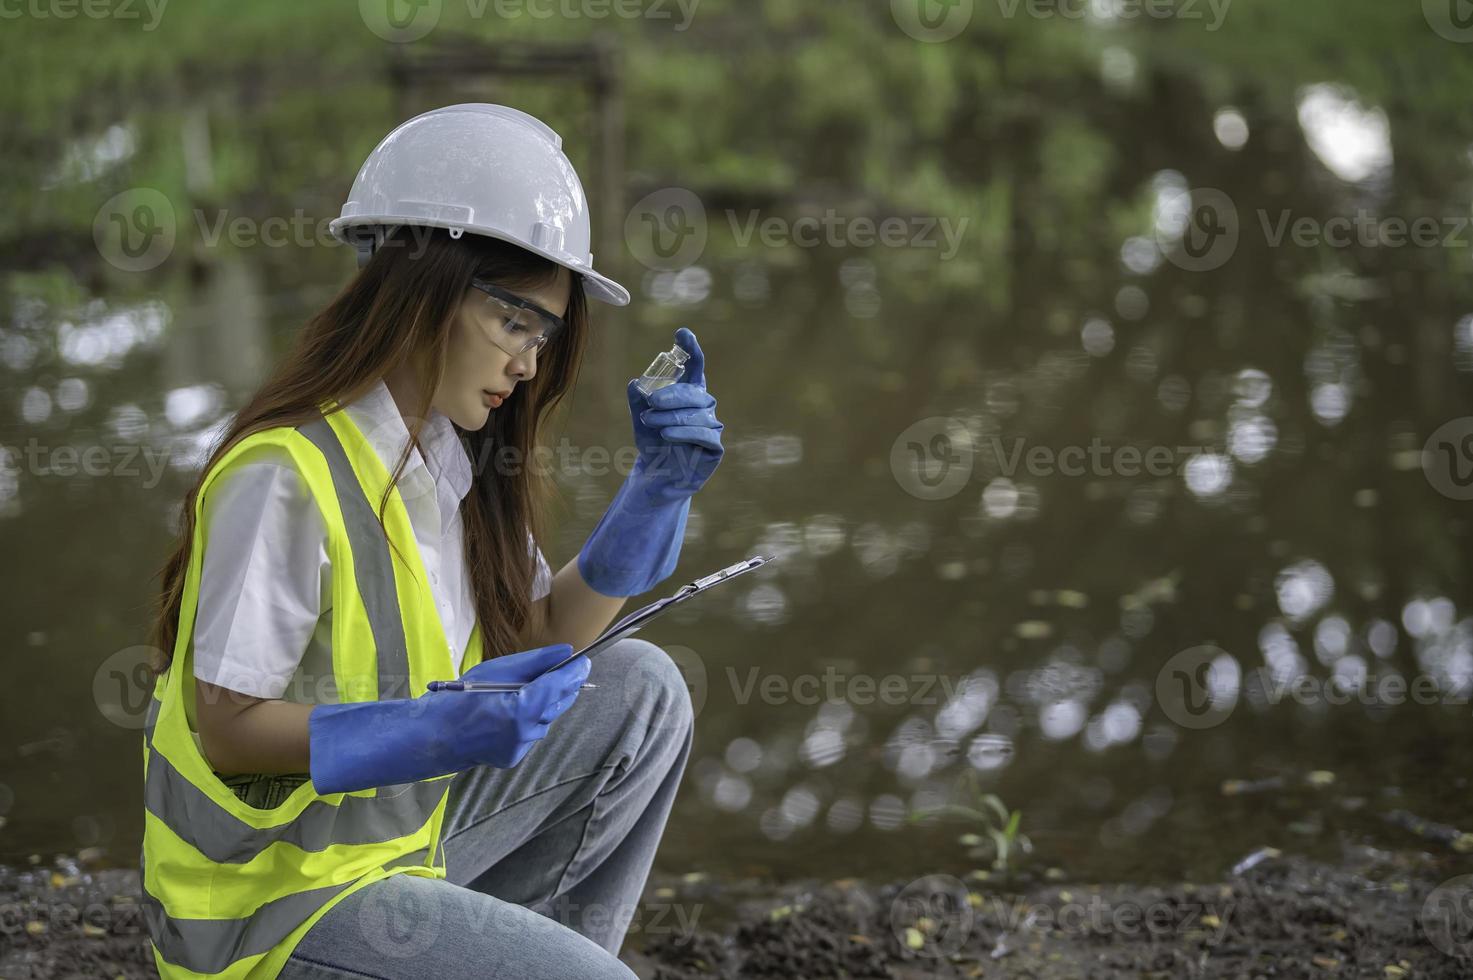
(310, 810)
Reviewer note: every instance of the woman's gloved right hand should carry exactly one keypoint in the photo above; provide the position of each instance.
(380, 743)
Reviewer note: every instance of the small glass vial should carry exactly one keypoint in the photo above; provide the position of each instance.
(663, 370)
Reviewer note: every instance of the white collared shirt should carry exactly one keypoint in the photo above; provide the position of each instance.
(264, 623)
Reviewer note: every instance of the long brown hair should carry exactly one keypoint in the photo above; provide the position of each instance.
(401, 306)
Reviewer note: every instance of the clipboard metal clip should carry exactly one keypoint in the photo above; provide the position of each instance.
(707, 581)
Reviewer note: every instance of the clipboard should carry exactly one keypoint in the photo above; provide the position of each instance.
(636, 620)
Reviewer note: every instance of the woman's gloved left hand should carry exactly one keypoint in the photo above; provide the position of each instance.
(637, 542)
(362, 744)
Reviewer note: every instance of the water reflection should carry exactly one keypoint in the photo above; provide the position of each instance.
(1303, 589)
(88, 159)
(1294, 529)
(102, 336)
(1352, 140)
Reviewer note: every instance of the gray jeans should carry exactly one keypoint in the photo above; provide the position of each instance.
(546, 862)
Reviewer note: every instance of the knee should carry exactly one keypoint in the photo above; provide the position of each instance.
(652, 684)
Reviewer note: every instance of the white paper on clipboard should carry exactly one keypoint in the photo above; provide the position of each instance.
(636, 620)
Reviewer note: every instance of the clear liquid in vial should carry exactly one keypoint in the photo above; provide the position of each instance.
(663, 370)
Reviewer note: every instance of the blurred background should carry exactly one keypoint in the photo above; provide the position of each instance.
(1102, 371)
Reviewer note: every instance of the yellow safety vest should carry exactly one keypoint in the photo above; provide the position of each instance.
(228, 889)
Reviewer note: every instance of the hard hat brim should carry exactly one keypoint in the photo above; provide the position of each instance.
(595, 284)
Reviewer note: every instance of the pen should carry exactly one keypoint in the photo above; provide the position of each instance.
(483, 686)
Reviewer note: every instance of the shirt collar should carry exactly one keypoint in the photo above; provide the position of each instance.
(377, 415)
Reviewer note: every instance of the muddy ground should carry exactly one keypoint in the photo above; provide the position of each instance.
(1373, 914)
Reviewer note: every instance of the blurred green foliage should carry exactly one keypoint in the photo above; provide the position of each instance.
(768, 100)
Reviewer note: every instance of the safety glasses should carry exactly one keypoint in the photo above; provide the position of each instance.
(512, 323)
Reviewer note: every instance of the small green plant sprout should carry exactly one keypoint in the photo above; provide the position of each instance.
(999, 838)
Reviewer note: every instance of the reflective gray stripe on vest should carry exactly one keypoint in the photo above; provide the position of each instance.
(211, 945)
(224, 838)
(371, 562)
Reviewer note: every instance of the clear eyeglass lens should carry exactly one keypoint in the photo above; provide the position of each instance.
(514, 329)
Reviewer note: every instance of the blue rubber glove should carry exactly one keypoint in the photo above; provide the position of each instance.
(636, 544)
(381, 743)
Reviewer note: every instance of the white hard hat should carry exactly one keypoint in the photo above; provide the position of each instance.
(487, 169)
